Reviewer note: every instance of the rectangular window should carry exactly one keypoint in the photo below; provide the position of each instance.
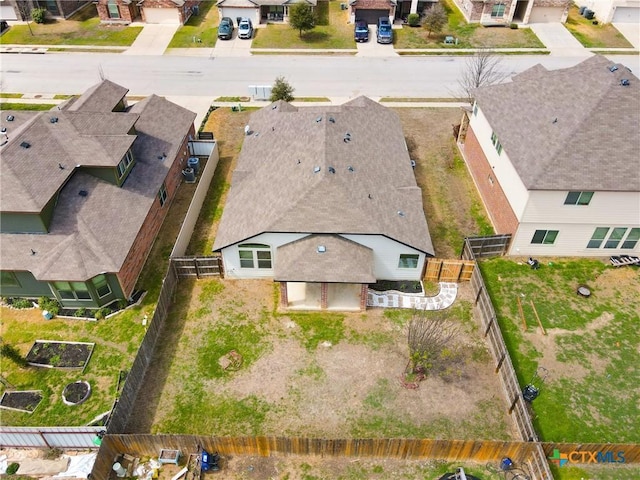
(8, 279)
(475, 109)
(496, 143)
(124, 164)
(632, 239)
(162, 194)
(578, 198)
(113, 9)
(408, 261)
(254, 255)
(72, 290)
(544, 237)
(616, 236)
(598, 237)
(498, 10)
(102, 285)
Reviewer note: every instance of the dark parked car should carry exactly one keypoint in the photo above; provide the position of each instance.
(225, 29)
(245, 28)
(3, 26)
(361, 32)
(385, 34)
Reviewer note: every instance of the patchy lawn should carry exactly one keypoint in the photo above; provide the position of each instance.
(83, 28)
(594, 36)
(590, 350)
(200, 31)
(338, 34)
(469, 35)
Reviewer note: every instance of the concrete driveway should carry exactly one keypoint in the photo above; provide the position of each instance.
(374, 49)
(236, 47)
(153, 39)
(631, 32)
(558, 40)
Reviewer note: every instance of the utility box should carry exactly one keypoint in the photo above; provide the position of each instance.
(260, 92)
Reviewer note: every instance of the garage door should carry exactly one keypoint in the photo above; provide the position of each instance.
(546, 14)
(371, 16)
(235, 13)
(626, 15)
(162, 15)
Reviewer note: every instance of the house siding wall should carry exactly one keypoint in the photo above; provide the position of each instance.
(231, 259)
(29, 287)
(22, 223)
(132, 266)
(495, 200)
(386, 254)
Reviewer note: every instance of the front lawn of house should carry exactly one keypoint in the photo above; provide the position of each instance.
(594, 36)
(469, 35)
(338, 34)
(200, 30)
(83, 28)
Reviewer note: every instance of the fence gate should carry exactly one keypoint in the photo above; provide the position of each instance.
(490, 246)
(197, 266)
(441, 270)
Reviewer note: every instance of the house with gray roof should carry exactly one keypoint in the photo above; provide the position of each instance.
(259, 11)
(554, 155)
(84, 190)
(324, 201)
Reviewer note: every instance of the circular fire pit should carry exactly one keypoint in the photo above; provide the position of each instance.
(75, 393)
(584, 291)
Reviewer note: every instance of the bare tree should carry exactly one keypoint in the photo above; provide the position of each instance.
(435, 19)
(430, 337)
(483, 68)
(25, 12)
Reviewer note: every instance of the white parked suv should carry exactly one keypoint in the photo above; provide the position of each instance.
(245, 28)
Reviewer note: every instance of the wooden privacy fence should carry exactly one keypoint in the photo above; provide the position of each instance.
(490, 246)
(504, 368)
(440, 270)
(119, 418)
(197, 266)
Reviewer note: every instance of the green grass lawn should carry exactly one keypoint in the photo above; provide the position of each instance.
(338, 34)
(26, 106)
(202, 27)
(594, 36)
(591, 394)
(83, 28)
(469, 35)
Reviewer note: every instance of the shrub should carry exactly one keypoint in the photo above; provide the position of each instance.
(39, 15)
(49, 304)
(513, 26)
(81, 312)
(21, 303)
(413, 20)
(101, 313)
(122, 304)
(13, 468)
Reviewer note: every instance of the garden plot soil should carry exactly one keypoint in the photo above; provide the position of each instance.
(59, 354)
(25, 400)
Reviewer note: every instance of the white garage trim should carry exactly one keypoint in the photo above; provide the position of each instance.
(238, 12)
(626, 15)
(161, 15)
(546, 14)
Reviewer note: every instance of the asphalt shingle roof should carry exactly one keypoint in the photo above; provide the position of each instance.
(340, 169)
(570, 129)
(93, 233)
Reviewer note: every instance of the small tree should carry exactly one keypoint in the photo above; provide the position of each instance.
(301, 17)
(430, 338)
(413, 20)
(481, 69)
(281, 90)
(39, 15)
(435, 19)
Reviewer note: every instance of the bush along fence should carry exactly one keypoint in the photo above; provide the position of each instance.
(504, 368)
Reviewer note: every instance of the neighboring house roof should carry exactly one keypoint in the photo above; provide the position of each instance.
(102, 97)
(93, 234)
(365, 183)
(257, 3)
(373, 4)
(342, 261)
(570, 129)
(237, 3)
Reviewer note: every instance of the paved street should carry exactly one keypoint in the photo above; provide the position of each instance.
(330, 76)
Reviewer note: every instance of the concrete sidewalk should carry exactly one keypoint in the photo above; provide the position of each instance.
(559, 40)
(152, 40)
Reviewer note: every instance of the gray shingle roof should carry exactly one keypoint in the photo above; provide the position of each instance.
(102, 97)
(94, 233)
(362, 184)
(569, 129)
(342, 261)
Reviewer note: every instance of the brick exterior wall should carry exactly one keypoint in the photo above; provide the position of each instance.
(495, 201)
(128, 13)
(185, 11)
(133, 264)
(364, 290)
(284, 296)
(324, 296)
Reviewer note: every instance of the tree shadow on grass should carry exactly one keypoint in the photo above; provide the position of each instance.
(314, 37)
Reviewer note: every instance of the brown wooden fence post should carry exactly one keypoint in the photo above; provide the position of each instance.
(489, 325)
(513, 404)
(480, 290)
(504, 355)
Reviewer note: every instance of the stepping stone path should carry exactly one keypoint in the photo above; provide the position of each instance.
(393, 299)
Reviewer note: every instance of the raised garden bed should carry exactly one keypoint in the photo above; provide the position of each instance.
(404, 286)
(75, 393)
(23, 401)
(54, 354)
